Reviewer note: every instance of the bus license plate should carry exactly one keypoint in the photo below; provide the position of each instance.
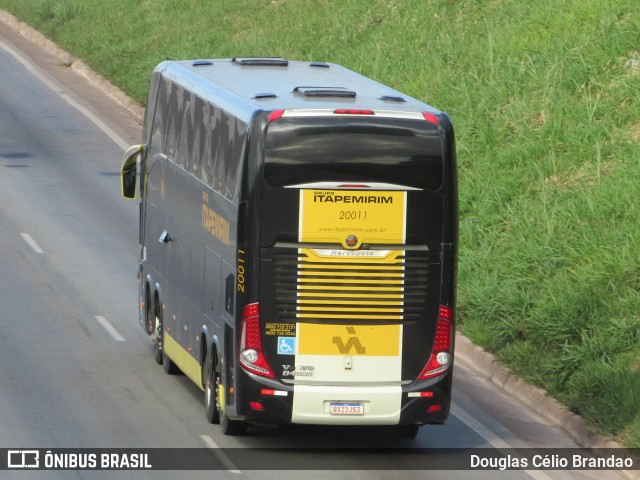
(346, 409)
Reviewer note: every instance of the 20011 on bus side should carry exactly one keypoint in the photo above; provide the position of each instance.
(298, 238)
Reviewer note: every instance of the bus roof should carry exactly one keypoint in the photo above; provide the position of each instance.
(243, 86)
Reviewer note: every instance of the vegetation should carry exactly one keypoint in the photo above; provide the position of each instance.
(545, 99)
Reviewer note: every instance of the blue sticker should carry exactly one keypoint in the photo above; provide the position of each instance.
(286, 345)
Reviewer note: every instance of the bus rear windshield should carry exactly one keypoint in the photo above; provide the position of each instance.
(339, 149)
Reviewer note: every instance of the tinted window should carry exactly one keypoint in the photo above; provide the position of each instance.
(338, 149)
(200, 137)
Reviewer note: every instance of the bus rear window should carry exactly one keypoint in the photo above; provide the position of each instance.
(338, 149)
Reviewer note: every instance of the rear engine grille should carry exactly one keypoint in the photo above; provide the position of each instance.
(313, 287)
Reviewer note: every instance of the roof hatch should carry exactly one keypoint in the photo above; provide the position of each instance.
(339, 92)
(261, 61)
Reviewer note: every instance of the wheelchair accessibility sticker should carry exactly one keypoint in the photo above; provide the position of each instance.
(286, 345)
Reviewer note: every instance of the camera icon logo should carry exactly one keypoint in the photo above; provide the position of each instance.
(23, 459)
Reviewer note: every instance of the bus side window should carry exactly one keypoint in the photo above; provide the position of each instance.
(228, 296)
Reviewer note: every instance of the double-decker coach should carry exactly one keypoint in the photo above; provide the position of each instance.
(298, 234)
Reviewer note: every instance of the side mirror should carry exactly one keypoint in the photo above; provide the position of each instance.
(129, 170)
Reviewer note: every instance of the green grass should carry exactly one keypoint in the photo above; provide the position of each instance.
(545, 100)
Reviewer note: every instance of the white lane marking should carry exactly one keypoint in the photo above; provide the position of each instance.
(31, 242)
(64, 95)
(109, 328)
(226, 461)
(493, 439)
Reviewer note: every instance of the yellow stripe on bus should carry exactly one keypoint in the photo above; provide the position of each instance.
(353, 288)
(345, 266)
(183, 359)
(347, 301)
(346, 283)
(356, 276)
(347, 309)
(397, 296)
(350, 316)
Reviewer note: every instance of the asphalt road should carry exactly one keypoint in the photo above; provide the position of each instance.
(76, 369)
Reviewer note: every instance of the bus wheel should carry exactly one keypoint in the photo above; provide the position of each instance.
(167, 364)
(158, 350)
(407, 431)
(229, 427)
(154, 323)
(209, 375)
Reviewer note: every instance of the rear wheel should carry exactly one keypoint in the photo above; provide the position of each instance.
(154, 327)
(168, 365)
(209, 379)
(229, 427)
(158, 344)
(407, 431)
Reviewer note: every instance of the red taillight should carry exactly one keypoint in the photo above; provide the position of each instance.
(251, 356)
(441, 357)
(430, 117)
(442, 339)
(275, 115)
(351, 111)
(256, 406)
(251, 310)
(444, 313)
(434, 408)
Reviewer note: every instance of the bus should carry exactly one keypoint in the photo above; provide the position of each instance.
(298, 237)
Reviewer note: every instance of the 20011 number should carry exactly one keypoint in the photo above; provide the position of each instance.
(353, 214)
(241, 271)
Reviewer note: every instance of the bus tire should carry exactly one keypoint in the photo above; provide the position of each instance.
(158, 351)
(232, 427)
(168, 365)
(209, 376)
(229, 427)
(154, 324)
(407, 431)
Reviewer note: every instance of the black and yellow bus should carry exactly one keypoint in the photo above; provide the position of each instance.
(298, 234)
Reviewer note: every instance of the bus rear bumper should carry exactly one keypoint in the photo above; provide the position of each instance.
(424, 404)
(368, 405)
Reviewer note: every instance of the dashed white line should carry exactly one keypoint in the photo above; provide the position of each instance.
(492, 438)
(226, 461)
(110, 329)
(31, 242)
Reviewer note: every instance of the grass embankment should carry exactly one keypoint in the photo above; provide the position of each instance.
(545, 99)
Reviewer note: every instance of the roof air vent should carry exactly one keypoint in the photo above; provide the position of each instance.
(201, 63)
(260, 96)
(392, 98)
(261, 61)
(339, 92)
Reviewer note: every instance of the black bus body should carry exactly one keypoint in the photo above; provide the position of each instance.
(298, 236)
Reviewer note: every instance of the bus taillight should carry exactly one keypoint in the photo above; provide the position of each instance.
(353, 111)
(275, 115)
(431, 118)
(440, 359)
(251, 355)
